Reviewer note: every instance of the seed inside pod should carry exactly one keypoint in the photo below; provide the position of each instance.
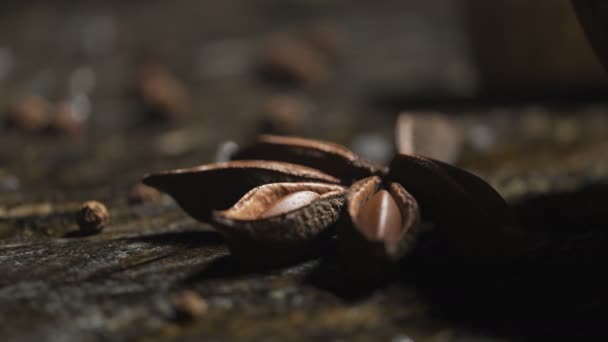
(267, 201)
(380, 217)
(385, 220)
(278, 222)
(291, 202)
(227, 182)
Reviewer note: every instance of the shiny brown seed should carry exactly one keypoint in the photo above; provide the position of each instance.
(280, 222)
(291, 202)
(384, 225)
(380, 217)
(92, 217)
(255, 204)
(389, 216)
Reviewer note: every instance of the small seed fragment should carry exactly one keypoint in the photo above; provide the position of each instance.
(380, 218)
(290, 202)
(92, 217)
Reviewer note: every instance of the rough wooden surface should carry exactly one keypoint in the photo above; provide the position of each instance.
(551, 163)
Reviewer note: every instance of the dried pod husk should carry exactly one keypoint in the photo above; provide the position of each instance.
(200, 190)
(280, 222)
(466, 211)
(328, 157)
(383, 226)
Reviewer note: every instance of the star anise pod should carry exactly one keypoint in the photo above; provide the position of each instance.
(283, 195)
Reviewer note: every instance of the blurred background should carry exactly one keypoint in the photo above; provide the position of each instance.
(94, 88)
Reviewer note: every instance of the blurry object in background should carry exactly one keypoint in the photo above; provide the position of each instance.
(82, 81)
(99, 35)
(415, 55)
(373, 146)
(593, 15)
(8, 182)
(482, 137)
(188, 306)
(29, 112)
(429, 134)
(326, 36)
(225, 151)
(225, 58)
(284, 114)
(6, 62)
(162, 96)
(141, 193)
(533, 49)
(287, 59)
(70, 116)
(182, 140)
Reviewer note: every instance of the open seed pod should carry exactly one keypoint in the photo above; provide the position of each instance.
(467, 211)
(279, 222)
(199, 190)
(384, 221)
(331, 158)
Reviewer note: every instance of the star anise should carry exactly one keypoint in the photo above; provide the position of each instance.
(283, 195)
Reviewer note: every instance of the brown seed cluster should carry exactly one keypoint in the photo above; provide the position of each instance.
(92, 217)
(283, 196)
